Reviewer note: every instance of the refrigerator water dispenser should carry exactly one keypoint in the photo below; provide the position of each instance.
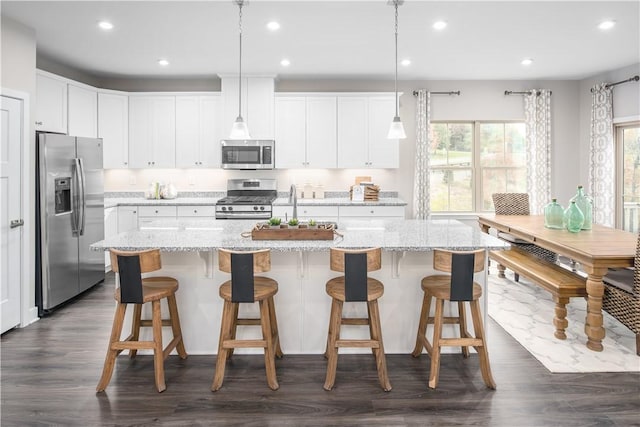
(63, 195)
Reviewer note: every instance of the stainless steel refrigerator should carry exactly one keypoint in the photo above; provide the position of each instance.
(70, 217)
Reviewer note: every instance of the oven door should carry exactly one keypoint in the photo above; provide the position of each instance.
(242, 212)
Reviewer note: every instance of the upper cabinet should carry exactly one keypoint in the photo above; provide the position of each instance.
(152, 131)
(83, 111)
(363, 124)
(198, 131)
(113, 128)
(51, 103)
(305, 132)
(257, 105)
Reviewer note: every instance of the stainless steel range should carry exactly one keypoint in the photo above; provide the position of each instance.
(247, 199)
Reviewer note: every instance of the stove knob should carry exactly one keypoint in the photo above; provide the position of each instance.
(261, 208)
(255, 208)
(224, 208)
(230, 208)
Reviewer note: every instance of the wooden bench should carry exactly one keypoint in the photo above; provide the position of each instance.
(562, 283)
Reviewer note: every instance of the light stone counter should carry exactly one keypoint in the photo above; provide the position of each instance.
(302, 269)
(340, 201)
(110, 202)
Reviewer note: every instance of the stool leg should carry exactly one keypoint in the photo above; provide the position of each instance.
(234, 327)
(332, 350)
(110, 359)
(435, 354)
(225, 334)
(330, 331)
(421, 338)
(135, 328)
(483, 353)
(175, 325)
(371, 332)
(274, 327)
(269, 351)
(158, 351)
(376, 334)
(462, 318)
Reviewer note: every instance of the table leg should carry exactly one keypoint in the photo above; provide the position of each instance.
(593, 323)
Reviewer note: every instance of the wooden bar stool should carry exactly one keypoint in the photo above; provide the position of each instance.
(244, 287)
(355, 286)
(458, 286)
(136, 290)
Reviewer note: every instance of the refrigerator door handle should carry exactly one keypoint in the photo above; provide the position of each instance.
(83, 200)
(75, 196)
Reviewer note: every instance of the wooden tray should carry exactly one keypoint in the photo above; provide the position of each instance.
(291, 234)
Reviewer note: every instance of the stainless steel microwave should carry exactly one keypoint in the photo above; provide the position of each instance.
(248, 153)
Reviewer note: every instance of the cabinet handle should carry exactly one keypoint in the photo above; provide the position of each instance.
(157, 211)
(38, 123)
(135, 212)
(195, 211)
(153, 163)
(371, 211)
(126, 163)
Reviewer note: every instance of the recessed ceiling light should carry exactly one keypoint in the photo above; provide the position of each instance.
(163, 62)
(105, 25)
(439, 25)
(405, 62)
(273, 26)
(527, 61)
(285, 62)
(607, 25)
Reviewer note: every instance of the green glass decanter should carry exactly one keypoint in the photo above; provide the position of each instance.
(573, 217)
(553, 215)
(585, 204)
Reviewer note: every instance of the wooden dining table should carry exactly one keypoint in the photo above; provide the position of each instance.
(596, 250)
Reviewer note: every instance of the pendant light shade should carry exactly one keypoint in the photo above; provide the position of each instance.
(239, 130)
(396, 130)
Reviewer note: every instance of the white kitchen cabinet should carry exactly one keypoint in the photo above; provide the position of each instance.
(51, 103)
(369, 212)
(113, 128)
(198, 131)
(110, 229)
(257, 105)
(152, 131)
(305, 212)
(83, 111)
(147, 214)
(206, 211)
(127, 218)
(306, 132)
(363, 124)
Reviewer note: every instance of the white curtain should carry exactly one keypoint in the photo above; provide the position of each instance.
(421, 208)
(537, 113)
(601, 157)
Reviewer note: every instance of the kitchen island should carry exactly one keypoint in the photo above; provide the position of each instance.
(301, 268)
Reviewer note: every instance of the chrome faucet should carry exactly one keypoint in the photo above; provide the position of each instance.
(293, 198)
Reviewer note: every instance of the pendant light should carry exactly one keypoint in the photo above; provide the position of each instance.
(396, 130)
(239, 130)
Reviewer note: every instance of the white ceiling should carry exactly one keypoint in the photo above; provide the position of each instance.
(336, 39)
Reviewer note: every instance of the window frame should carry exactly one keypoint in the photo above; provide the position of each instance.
(618, 142)
(476, 167)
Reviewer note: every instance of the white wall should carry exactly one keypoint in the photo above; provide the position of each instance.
(18, 73)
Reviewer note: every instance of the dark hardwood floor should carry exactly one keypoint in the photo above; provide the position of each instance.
(50, 370)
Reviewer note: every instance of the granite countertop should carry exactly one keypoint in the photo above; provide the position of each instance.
(392, 235)
(340, 201)
(110, 202)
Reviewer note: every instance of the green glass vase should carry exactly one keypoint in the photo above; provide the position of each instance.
(573, 218)
(585, 204)
(554, 215)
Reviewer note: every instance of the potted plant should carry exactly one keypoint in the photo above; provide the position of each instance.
(312, 223)
(274, 222)
(293, 223)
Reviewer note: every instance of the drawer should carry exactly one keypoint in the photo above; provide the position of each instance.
(318, 211)
(368, 211)
(159, 211)
(191, 211)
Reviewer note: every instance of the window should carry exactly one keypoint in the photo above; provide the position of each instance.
(628, 176)
(472, 160)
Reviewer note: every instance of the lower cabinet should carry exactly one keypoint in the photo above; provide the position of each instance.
(110, 229)
(207, 211)
(127, 218)
(147, 214)
(332, 213)
(368, 212)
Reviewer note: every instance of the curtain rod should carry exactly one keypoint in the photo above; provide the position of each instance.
(510, 92)
(630, 79)
(456, 92)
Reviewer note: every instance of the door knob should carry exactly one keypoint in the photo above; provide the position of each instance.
(17, 223)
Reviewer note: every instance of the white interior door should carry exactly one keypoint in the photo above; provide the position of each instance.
(10, 212)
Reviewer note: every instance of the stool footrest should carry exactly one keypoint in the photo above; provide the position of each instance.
(247, 322)
(244, 344)
(446, 320)
(149, 323)
(133, 345)
(169, 348)
(358, 343)
(361, 321)
(458, 342)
